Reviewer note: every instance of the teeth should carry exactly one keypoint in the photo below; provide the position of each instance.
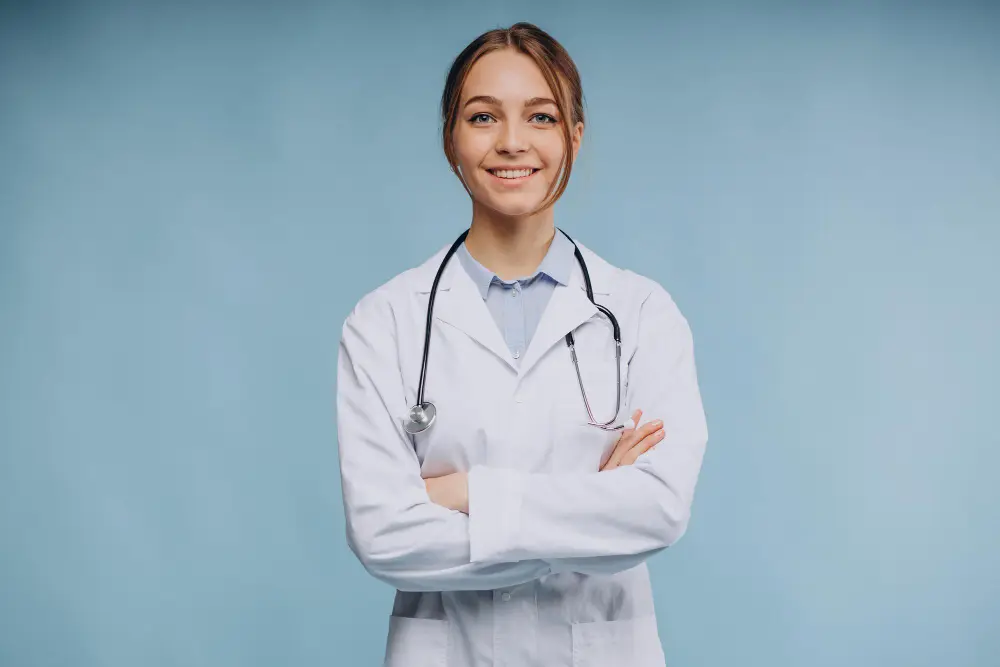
(508, 173)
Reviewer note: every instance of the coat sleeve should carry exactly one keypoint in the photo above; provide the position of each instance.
(398, 534)
(598, 565)
(619, 516)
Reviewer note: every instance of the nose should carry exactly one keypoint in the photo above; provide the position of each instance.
(511, 139)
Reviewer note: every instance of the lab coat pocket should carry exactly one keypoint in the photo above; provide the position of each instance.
(632, 642)
(582, 447)
(416, 642)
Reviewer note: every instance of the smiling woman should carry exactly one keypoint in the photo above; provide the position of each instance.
(510, 89)
(514, 508)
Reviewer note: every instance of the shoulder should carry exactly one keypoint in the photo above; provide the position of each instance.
(635, 290)
(381, 307)
(657, 301)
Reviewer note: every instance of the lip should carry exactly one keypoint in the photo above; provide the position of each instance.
(512, 182)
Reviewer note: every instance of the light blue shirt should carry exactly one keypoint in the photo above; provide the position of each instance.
(517, 305)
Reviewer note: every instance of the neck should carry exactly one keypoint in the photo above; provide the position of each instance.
(510, 246)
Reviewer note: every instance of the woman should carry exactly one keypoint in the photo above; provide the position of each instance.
(516, 527)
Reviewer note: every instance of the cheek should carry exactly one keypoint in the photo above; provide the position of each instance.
(471, 148)
(474, 175)
(550, 150)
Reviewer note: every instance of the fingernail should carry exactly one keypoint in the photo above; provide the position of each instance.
(658, 423)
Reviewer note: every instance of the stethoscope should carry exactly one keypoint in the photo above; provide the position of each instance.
(423, 414)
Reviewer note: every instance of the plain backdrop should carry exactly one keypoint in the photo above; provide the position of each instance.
(192, 199)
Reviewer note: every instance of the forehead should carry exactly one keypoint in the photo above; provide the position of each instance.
(508, 75)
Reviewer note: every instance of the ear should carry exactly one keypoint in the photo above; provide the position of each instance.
(577, 138)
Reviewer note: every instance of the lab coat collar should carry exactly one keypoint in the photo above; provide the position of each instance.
(460, 304)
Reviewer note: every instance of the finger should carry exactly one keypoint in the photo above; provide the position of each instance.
(643, 446)
(625, 442)
(630, 440)
(647, 429)
(633, 421)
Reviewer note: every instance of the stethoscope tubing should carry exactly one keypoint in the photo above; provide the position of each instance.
(423, 408)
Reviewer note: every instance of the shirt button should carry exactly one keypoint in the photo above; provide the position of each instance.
(505, 597)
(517, 354)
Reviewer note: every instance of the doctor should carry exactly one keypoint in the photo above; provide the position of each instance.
(496, 471)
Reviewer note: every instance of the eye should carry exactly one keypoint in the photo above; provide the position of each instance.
(550, 119)
(479, 115)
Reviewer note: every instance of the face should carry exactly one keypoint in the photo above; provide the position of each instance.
(508, 135)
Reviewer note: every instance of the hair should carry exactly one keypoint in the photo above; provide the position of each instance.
(556, 66)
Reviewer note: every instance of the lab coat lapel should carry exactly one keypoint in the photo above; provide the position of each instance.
(567, 309)
(459, 304)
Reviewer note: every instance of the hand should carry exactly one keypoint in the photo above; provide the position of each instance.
(634, 441)
(451, 491)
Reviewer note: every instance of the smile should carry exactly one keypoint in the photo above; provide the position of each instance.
(512, 176)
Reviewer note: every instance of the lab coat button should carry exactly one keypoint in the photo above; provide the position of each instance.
(518, 398)
(505, 597)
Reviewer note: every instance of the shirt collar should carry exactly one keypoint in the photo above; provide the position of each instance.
(557, 264)
(481, 276)
(558, 261)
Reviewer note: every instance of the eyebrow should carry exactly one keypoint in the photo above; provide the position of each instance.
(489, 99)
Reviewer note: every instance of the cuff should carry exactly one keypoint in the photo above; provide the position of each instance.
(494, 513)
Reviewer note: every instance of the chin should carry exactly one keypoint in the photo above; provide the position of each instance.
(513, 209)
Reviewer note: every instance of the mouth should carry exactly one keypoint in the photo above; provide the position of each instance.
(513, 176)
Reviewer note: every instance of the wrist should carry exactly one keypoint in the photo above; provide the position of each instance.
(462, 492)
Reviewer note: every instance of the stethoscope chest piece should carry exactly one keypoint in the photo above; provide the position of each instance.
(420, 418)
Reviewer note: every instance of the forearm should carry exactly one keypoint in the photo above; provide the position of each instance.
(627, 511)
(451, 491)
(426, 548)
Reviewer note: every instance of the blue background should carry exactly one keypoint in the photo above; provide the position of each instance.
(192, 200)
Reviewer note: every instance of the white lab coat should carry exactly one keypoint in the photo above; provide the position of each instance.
(548, 568)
